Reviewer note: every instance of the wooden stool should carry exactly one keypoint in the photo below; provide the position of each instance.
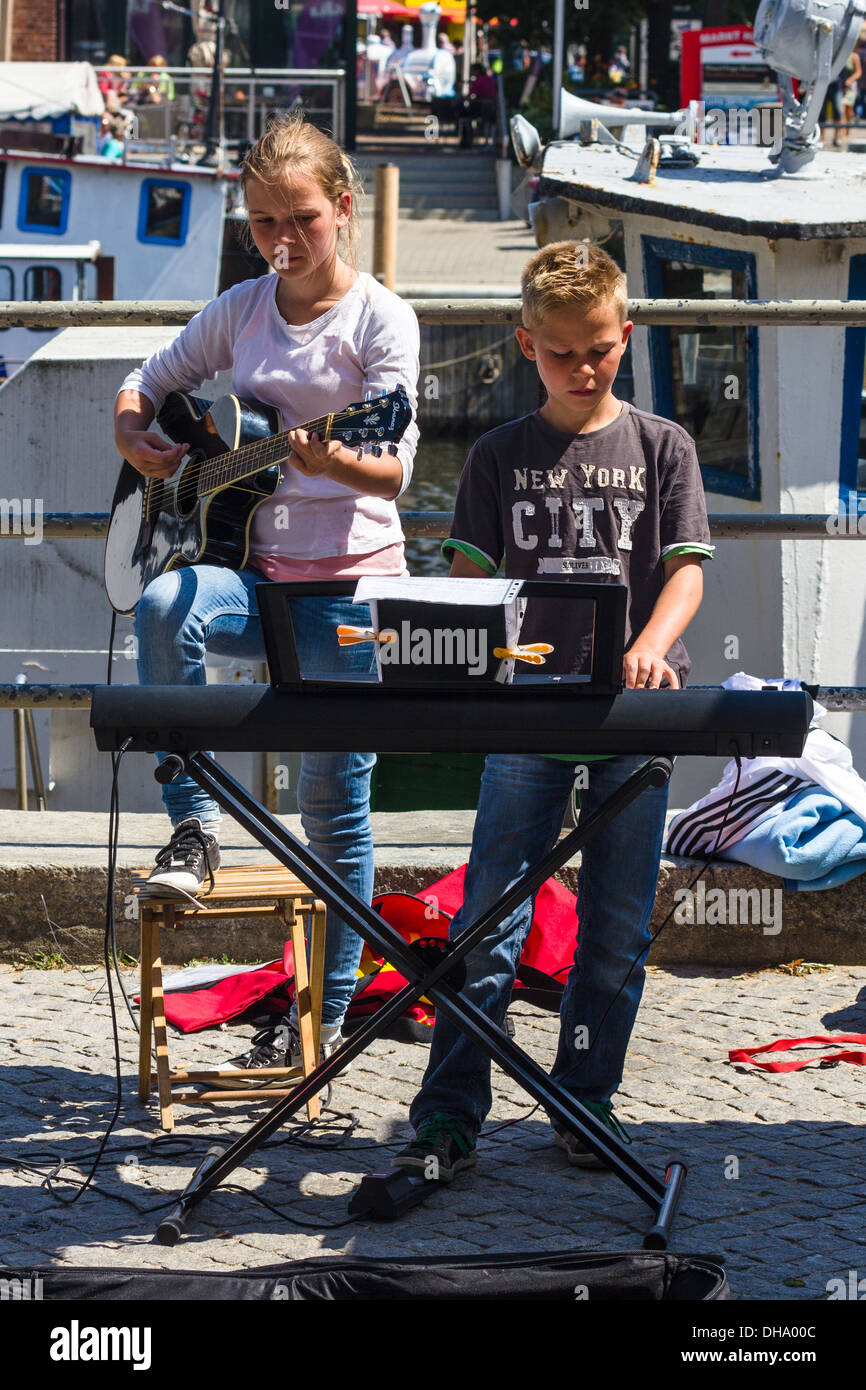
(260, 890)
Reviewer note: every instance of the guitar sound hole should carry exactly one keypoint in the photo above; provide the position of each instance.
(187, 494)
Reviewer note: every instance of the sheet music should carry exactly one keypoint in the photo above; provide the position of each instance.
(438, 589)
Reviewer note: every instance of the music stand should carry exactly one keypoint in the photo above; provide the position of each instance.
(438, 977)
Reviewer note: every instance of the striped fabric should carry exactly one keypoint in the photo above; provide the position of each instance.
(695, 832)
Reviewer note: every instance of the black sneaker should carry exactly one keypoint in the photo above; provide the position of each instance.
(579, 1153)
(271, 1047)
(278, 1046)
(190, 859)
(440, 1149)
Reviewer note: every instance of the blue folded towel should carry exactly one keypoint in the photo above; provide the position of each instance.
(813, 842)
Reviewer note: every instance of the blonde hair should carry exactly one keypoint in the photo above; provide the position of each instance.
(291, 144)
(571, 274)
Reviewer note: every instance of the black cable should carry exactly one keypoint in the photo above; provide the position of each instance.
(284, 1215)
(180, 1146)
(115, 767)
(113, 835)
(111, 653)
(708, 860)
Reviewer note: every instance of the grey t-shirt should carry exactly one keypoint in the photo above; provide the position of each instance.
(608, 507)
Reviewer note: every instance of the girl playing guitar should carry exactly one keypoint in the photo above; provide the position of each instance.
(309, 338)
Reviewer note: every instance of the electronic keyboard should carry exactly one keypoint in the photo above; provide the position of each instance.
(536, 715)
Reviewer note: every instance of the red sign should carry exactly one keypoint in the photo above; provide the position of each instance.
(731, 45)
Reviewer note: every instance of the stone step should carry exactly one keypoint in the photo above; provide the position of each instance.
(458, 213)
(433, 192)
(408, 214)
(61, 857)
(440, 180)
(430, 162)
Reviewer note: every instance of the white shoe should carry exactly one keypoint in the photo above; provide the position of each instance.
(188, 861)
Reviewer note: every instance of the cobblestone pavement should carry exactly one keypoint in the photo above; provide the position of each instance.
(776, 1183)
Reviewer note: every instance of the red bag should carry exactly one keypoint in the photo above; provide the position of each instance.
(546, 959)
(544, 964)
(192, 1010)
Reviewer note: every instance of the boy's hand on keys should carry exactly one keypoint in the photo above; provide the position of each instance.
(644, 668)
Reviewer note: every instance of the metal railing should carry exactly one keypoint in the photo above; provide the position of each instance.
(249, 97)
(766, 313)
(848, 699)
(434, 525)
(26, 743)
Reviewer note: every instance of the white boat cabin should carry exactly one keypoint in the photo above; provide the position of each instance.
(776, 412)
(160, 230)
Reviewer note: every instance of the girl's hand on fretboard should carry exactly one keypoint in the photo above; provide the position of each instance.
(314, 456)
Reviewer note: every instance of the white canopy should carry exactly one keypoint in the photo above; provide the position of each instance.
(41, 91)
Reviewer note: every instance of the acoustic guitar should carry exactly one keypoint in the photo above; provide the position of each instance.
(202, 513)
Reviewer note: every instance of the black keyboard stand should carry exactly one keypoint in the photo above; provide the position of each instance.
(441, 984)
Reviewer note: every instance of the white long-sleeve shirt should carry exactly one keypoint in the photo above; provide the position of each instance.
(368, 341)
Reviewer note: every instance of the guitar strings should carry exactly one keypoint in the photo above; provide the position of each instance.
(261, 453)
(205, 474)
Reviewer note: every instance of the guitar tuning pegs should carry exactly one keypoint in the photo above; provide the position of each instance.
(377, 450)
(392, 449)
(360, 453)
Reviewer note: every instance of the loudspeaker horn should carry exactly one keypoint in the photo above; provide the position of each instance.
(574, 111)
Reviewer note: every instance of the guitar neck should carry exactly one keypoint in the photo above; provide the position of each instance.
(252, 458)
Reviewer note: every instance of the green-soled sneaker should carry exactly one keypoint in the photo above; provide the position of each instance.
(579, 1153)
(440, 1149)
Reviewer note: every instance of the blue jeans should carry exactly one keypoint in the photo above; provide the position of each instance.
(520, 812)
(200, 608)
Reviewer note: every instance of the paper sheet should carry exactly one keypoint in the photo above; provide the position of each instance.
(438, 589)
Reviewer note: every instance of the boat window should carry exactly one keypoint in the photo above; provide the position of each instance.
(163, 212)
(2, 189)
(42, 282)
(705, 376)
(44, 201)
(7, 285)
(852, 473)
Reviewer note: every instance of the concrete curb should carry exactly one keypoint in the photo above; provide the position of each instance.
(62, 857)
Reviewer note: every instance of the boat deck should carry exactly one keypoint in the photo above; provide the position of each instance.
(733, 188)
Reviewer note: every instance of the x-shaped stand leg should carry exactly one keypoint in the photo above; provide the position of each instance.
(433, 983)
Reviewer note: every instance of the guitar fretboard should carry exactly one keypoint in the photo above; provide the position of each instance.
(201, 476)
(250, 458)
(204, 476)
